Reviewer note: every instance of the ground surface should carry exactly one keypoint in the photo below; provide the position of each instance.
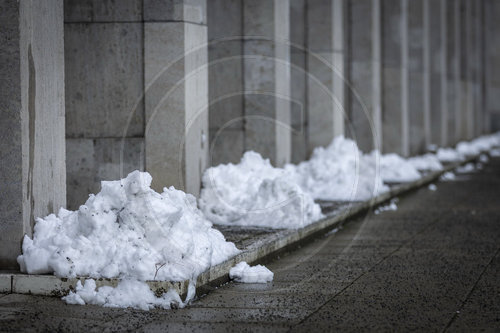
(432, 265)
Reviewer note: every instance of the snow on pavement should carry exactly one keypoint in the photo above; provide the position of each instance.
(245, 273)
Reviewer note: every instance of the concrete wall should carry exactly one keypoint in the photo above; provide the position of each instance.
(364, 95)
(32, 172)
(492, 64)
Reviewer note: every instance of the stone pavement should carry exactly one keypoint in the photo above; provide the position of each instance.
(432, 265)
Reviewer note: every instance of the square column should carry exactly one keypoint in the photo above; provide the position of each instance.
(326, 71)
(365, 124)
(176, 93)
(395, 72)
(266, 77)
(416, 102)
(33, 170)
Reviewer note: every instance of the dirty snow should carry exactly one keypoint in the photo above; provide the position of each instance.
(254, 193)
(128, 293)
(245, 273)
(127, 230)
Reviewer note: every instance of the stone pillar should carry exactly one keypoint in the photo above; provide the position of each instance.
(454, 104)
(225, 87)
(416, 77)
(427, 72)
(266, 70)
(478, 68)
(436, 61)
(325, 65)
(365, 74)
(104, 77)
(395, 114)
(298, 84)
(32, 172)
(492, 65)
(176, 93)
(467, 82)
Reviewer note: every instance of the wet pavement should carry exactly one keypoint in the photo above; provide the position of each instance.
(432, 265)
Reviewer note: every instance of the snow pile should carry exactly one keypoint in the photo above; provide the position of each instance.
(427, 162)
(432, 187)
(128, 293)
(467, 148)
(447, 176)
(395, 169)
(390, 207)
(244, 273)
(254, 193)
(339, 172)
(448, 155)
(127, 230)
(483, 158)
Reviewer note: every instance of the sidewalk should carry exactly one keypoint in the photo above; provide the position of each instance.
(431, 265)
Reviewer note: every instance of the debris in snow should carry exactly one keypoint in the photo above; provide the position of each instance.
(447, 176)
(128, 293)
(483, 158)
(244, 273)
(427, 162)
(395, 169)
(339, 172)
(391, 206)
(432, 187)
(126, 231)
(254, 193)
(469, 167)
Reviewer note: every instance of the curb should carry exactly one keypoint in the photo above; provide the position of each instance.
(257, 252)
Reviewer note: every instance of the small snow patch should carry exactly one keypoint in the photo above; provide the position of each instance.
(495, 152)
(432, 187)
(484, 158)
(469, 167)
(390, 207)
(447, 176)
(245, 273)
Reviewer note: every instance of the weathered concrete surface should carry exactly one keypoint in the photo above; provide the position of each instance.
(416, 77)
(365, 122)
(266, 75)
(395, 107)
(492, 65)
(225, 81)
(431, 265)
(32, 172)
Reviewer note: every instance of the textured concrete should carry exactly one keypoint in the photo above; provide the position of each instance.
(176, 99)
(432, 265)
(416, 77)
(102, 11)
(492, 65)
(325, 71)
(365, 123)
(90, 161)
(395, 114)
(225, 85)
(32, 174)
(266, 73)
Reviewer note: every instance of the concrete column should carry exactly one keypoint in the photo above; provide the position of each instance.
(298, 83)
(104, 78)
(437, 71)
(427, 73)
(266, 70)
(176, 93)
(225, 81)
(395, 113)
(478, 68)
(365, 74)
(456, 71)
(468, 86)
(32, 172)
(325, 65)
(492, 65)
(416, 77)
